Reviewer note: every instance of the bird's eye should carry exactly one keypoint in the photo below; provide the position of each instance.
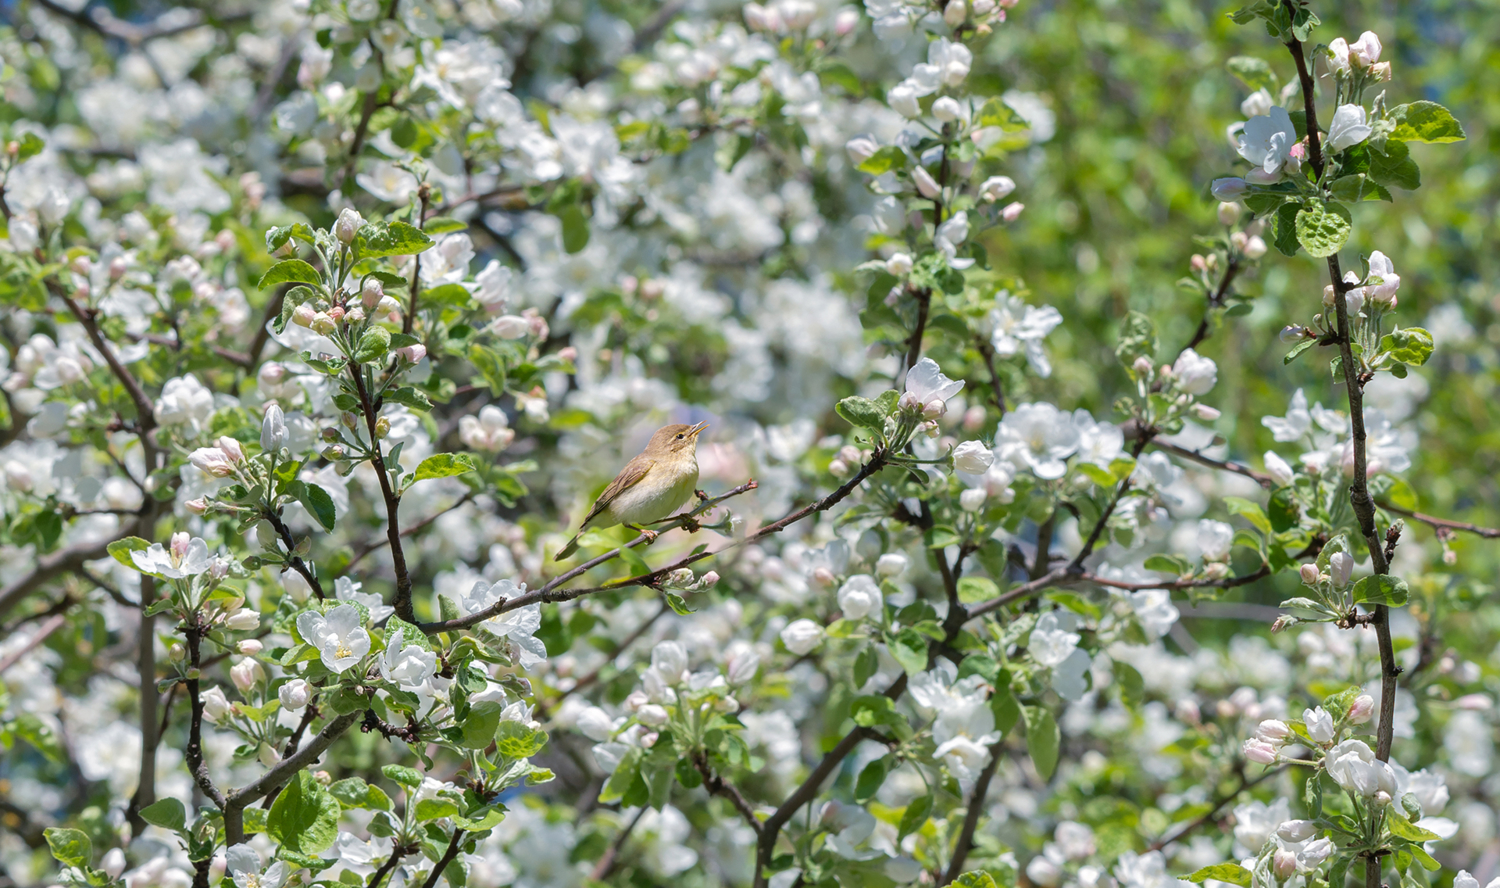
(679, 436)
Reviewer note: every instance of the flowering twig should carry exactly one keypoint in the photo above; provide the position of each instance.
(402, 601)
(1442, 524)
(551, 593)
(1359, 493)
(194, 752)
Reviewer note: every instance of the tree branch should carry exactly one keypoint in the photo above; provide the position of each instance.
(402, 601)
(238, 800)
(49, 566)
(975, 808)
(194, 752)
(606, 864)
(1441, 524)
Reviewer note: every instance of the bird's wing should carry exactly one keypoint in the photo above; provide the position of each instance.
(629, 476)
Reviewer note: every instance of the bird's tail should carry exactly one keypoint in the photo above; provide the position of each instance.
(567, 551)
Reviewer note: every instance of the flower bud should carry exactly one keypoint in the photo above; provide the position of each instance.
(934, 408)
(348, 225)
(382, 427)
(838, 468)
(1255, 247)
(371, 293)
(303, 315)
(1229, 212)
(908, 402)
(1381, 799)
(1273, 731)
(243, 620)
(1142, 366)
(1297, 830)
(176, 653)
(996, 188)
(113, 863)
(295, 694)
(511, 327)
(215, 705)
(322, 322)
(412, 353)
(1012, 211)
(1293, 333)
(1284, 864)
(955, 13)
(926, 185)
(1205, 412)
(1340, 566)
(250, 647)
(197, 506)
(1310, 574)
(1361, 709)
(1228, 189)
(653, 715)
(246, 674)
(1259, 751)
(973, 499)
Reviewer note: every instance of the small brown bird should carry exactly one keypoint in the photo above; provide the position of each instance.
(650, 487)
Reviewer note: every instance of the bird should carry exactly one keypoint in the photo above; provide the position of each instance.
(650, 487)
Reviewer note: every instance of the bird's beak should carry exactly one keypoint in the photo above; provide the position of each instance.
(698, 428)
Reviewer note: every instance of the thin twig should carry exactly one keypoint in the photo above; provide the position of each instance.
(965, 842)
(606, 864)
(1488, 533)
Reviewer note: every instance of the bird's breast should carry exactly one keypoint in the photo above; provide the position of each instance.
(653, 499)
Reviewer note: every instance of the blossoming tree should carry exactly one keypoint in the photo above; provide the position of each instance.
(325, 320)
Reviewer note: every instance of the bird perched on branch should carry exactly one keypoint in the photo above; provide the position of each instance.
(650, 487)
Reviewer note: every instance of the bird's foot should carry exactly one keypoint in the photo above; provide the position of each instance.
(649, 534)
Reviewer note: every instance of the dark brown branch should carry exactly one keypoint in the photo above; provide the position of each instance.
(1215, 300)
(238, 800)
(402, 601)
(398, 853)
(424, 193)
(447, 858)
(194, 752)
(1442, 524)
(293, 558)
(145, 792)
(1103, 522)
(1359, 493)
(717, 785)
(1261, 478)
(53, 623)
(997, 391)
(551, 593)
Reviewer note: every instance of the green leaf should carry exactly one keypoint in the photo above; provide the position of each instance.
(443, 225)
(1412, 345)
(1394, 166)
(1251, 512)
(480, 724)
(865, 665)
(352, 792)
(278, 236)
(305, 817)
(1132, 686)
(575, 228)
(1380, 589)
(456, 295)
(1402, 828)
(378, 239)
(166, 813)
(862, 412)
(435, 809)
(974, 879)
(678, 604)
(1175, 565)
(915, 816)
(1232, 873)
(405, 776)
(1356, 188)
(1284, 511)
(1285, 239)
(71, 847)
(874, 710)
(870, 780)
(443, 465)
(1322, 228)
(1043, 740)
(373, 345)
(30, 145)
(318, 504)
(290, 270)
(1298, 349)
(407, 396)
(910, 650)
(1426, 121)
(517, 741)
(976, 589)
(1253, 72)
(1006, 709)
(883, 161)
(120, 550)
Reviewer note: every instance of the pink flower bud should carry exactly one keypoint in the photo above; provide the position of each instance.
(412, 353)
(1284, 864)
(371, 294)
(1259, 751)
(1273, 731)
(1310, 574)
(1361, 709)
(934, 408)
(197, 506)
(231, 449)
(1012, 211)
(908, 402)
(250, 647)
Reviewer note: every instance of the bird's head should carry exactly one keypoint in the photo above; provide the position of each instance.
(676, 439)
